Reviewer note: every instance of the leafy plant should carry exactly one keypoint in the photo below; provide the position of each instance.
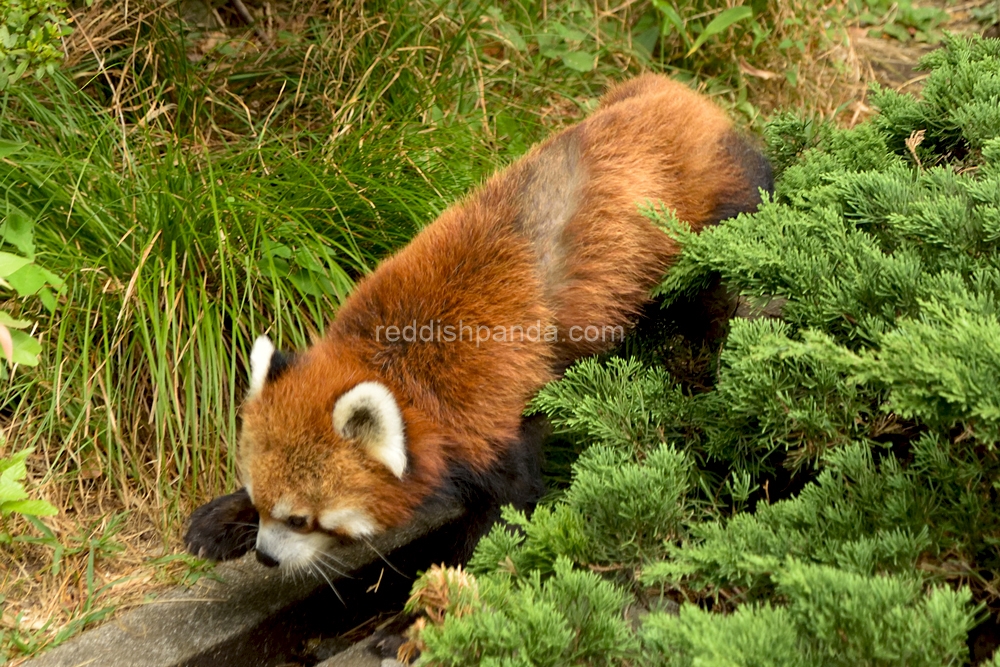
(30, 34)
(13, 498)
(569, 40)
(694, 31)
(900, 19)
(19, 273)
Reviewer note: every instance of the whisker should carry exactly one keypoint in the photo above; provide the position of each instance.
(330, 556)
(317, 568)
(387, 562)
(322, 560)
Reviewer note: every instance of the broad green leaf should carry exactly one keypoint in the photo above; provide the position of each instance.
(26, 349)
(277, 249)
(10, 322)
(30, 278)
(18, 230)
(53, 280)
(511, 34)
(13, 497)
(897, 31)
(10, 263)
(550, 46)
(8, 148)
(11, 488)
(554, 52)
(22, 67)
(580, 61)
(647, 39)
(16, 459)
(305, 282)
(47, 298)
(32, 507)
(671, 18)
(280, 266)
(727, 18)
(306, 260)
(11, 491)
(569, 34)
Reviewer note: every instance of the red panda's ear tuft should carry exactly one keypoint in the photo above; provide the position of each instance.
(266, 364)
(260, 363)
(369, 415)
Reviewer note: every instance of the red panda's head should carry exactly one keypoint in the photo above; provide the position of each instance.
(323, 454)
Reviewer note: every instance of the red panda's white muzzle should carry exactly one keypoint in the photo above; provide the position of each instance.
(279, 545)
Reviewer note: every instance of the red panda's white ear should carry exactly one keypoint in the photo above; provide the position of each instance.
(260, 363)
(369, 414)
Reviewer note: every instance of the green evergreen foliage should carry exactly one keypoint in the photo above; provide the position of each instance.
(857, 516)
(832, 499)
(570, 618)
(620, 403)
(617, 509)
(832, 618)
(959, 107)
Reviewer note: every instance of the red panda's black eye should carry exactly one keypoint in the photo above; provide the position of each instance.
(296, 522)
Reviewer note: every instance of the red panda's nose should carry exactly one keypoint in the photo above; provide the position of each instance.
(266, 560)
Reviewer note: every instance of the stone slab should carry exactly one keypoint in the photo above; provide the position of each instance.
(255, 616)
(359, 655)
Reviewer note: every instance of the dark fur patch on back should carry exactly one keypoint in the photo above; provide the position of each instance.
(757, 176)
(550, 196)
(280, 362)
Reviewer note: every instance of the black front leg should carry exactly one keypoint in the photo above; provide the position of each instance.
(224, 528)
(515, 479)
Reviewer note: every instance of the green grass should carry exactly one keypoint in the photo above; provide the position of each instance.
(174, 262)
(192, 204)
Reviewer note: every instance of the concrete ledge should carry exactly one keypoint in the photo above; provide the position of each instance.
(359, 655)
(255, 616)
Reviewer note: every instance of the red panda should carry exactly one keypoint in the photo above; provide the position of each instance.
(418, 387)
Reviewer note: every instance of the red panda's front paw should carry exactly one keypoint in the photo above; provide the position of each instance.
(224, 528)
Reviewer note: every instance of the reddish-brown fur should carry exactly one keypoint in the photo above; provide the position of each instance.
(557, 239)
